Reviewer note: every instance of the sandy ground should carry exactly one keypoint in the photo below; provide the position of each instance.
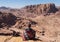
(10, 39)
(13, 39)
(19, 39)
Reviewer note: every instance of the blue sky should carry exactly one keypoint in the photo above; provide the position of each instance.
(22, 3)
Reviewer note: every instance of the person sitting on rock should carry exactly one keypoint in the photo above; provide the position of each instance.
(28, 33)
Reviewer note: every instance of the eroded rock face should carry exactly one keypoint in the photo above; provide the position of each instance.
(42, 8)
(7, 19)
(23, 23)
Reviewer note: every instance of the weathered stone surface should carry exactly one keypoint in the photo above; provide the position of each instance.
(7, 19)
(42, 8)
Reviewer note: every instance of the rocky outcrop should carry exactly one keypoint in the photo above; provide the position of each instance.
(9, 24)
(42, 8)
(7, 19)
(23, 23)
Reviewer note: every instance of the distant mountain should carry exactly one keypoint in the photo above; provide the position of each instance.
(32, 10)
(3, 7)
(42, 8)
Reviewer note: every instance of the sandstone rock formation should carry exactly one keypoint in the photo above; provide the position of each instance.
(7, 19)
(42, 8)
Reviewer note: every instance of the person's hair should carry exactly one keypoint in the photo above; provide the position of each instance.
(29, 25)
